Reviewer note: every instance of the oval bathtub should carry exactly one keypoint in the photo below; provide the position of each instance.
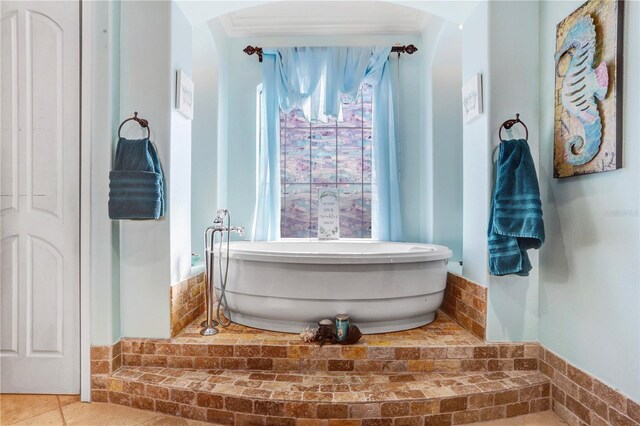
(288, 285)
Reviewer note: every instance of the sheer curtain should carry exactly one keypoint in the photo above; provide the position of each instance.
(315, 79)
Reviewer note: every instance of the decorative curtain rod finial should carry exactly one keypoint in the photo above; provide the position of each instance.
(410, 49)
(250, 50)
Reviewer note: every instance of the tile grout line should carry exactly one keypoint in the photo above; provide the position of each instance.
(64, 422)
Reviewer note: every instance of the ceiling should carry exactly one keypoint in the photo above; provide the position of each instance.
(324, 18)
(268, 17)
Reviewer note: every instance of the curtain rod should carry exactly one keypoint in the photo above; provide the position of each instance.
(410, 49)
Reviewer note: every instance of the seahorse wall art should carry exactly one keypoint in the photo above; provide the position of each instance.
(587, 136)
(581, 86)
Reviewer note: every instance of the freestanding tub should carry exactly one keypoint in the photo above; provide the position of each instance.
(288, 285)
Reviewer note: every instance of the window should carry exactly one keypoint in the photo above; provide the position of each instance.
(335, 154)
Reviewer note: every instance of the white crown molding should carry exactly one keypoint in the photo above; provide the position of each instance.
(318, 19)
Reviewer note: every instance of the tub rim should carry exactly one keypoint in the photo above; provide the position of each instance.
(430, 252)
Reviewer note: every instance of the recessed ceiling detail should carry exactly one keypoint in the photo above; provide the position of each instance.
(324, 18)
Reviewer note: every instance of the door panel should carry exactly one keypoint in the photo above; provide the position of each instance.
(45, 288)
(40, 350)
(9, 110)
(44, 112)
(9, 295)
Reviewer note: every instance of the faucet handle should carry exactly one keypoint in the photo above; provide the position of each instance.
(238, 230)
(220, 214)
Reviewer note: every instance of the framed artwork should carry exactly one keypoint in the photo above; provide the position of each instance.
(588, 90)
(472, 98)
(328, 214)
(184, 94)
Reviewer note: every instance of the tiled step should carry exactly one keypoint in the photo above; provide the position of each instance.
(307, 357)
(442, 346)
(245, 397)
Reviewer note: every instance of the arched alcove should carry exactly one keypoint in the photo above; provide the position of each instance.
(233, 183)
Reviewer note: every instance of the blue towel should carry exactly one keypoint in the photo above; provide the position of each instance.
(515, 225)
(136, 182)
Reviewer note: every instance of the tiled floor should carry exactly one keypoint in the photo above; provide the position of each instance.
(443, 331)
(41, 410)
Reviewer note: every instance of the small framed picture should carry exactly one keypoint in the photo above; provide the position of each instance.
(328, 214)
(184, 94)
(472, 98)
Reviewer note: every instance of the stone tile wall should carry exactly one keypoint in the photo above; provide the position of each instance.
(466, 302)
(104, 361)
(187, 302)
(580, 398)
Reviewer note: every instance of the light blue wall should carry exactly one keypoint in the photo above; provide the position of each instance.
(476, 156)
(156, 41)
(145, 86)
(589, 265)
(221, 43)
(245, 73)
(180, 151)
(512, 313)
(105, 116)
(446, 150)
(429, 40)
(494, 34)
(204, 135)
(135, 262)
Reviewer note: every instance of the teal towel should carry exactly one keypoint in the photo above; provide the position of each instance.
(136, 187)
(515, 224)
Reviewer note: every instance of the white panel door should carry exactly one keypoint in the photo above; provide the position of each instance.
(40, 197)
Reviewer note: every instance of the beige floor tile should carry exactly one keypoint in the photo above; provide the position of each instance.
(68, 399)
(50, 418)
(14, 408)
(546, 418)
(43, 410)
(100, 414)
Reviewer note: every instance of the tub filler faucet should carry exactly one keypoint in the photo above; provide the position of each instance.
(218, 223)
(209, 324)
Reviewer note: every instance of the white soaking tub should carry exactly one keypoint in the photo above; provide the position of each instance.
(288, 285)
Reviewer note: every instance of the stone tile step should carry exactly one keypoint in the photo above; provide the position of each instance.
(363, 398)
(442, 346)
(311, 357)
(444, 330)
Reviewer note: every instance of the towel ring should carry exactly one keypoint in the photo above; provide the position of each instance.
(510, 123)
(141, 121)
